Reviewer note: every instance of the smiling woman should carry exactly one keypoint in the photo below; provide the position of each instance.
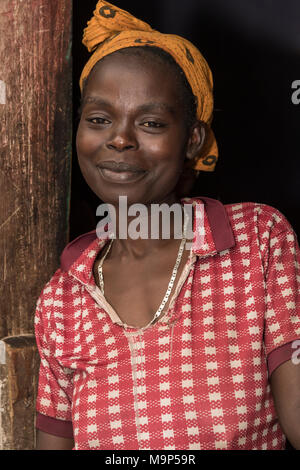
(135, 131)
(157, 343)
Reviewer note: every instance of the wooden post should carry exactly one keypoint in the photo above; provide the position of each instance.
(35, 167)
(19, 365)
(35, 152)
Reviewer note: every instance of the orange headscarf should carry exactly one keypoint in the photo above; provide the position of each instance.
(112, 29)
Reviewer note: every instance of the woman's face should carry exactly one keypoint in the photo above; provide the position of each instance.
(132, 138)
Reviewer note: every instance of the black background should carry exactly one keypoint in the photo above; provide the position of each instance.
(253, 49)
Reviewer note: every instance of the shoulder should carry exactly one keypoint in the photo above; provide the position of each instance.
(75, 248)
(243, 212)
(244, 222)
(257, 216)
(262, 226)
(60, 281)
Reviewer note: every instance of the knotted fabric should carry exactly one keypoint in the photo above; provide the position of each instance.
(112, 29)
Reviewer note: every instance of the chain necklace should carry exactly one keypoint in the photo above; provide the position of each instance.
(100, 273)
(171, 283)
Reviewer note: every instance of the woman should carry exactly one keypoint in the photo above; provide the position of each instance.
(145, 344)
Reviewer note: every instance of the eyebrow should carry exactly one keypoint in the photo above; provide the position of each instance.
(148, 107)
(94, 100)
(144, 108)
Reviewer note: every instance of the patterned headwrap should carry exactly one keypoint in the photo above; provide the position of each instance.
(112, 29)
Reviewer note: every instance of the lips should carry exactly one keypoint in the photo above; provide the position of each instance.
(120, 172)
(120, 166)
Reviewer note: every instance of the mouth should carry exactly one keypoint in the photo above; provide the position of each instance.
(120, 172)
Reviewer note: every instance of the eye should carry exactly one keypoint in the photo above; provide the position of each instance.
(153, 124)
(99, 120)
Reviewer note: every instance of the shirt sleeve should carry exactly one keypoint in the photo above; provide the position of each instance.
(281, 261)
(55, 386)
(280, 355)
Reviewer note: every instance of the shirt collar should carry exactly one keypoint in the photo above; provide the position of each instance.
(216, 236)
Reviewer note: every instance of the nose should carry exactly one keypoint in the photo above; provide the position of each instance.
(122, 138)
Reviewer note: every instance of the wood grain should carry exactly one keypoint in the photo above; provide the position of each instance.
(35, 152)
(19, 366)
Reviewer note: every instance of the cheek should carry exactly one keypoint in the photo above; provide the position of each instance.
(85, 147)
(86, 141)
(166, 148)
(169, 155)
(169, 166)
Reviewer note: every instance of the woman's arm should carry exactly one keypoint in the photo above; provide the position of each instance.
(45, 441)
(285, 386)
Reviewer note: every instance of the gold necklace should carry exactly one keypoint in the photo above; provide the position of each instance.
(171, 282)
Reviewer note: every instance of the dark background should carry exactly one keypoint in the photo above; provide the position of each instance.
(253, 49)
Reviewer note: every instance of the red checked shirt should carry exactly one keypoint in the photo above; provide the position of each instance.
(199, 377)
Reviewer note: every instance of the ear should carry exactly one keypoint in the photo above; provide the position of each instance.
(196, 139)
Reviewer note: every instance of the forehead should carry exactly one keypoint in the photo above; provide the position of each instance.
(134, 77)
